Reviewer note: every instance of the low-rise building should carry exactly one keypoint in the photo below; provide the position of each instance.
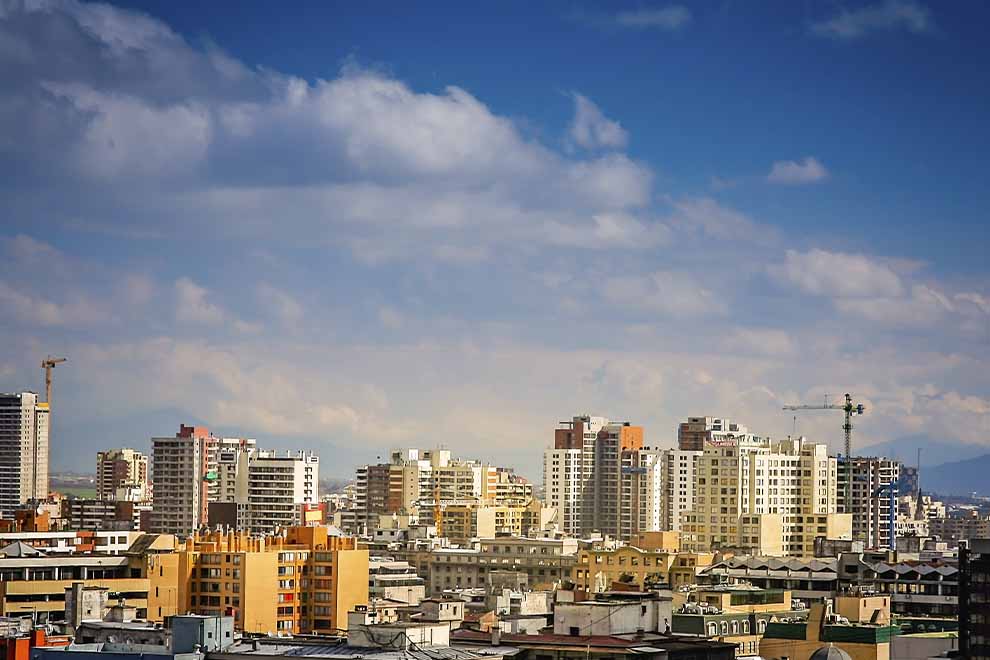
(824, 630)
(614, 613)
(806, 579)
(395, 580)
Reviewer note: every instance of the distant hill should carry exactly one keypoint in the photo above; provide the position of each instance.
(958, 477)
(933, 452)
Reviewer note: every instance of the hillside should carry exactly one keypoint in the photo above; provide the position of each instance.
(958, 477)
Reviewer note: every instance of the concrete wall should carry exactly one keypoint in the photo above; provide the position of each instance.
(917, 647)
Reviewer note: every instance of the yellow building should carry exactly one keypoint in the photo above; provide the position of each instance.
(463, 522)
(597, 569)
(35, 583)
(764, 498)
(862, 641)
(304, 582)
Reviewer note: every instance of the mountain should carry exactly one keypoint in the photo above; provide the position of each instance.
(933, 452)
(958, 477)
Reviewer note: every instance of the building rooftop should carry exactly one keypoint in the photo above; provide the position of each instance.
(637, 643)
(328, 649)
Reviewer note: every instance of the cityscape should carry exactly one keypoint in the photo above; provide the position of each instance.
(625, 330)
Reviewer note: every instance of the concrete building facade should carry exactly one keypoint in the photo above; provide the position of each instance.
(122, 471)
(24, 428)
(767, 498)
(859, 479)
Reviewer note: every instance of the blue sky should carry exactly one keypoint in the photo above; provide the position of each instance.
(354, 228)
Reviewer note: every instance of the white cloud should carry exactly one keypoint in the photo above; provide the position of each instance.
(761, 341)
(979, 303)
(125, 135)
(28, 309)
(922, 306)
(791, 172)
(836, 274)
(889, 15)
(672, 17)
(593, 130)
(670, 294)
(192, 305)
(284, 306)
(707, 216)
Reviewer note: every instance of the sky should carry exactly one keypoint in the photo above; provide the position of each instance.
(350, 228)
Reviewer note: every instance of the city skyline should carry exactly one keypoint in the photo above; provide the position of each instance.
(373, 233)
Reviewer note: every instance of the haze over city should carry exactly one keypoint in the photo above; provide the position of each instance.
(347, 229)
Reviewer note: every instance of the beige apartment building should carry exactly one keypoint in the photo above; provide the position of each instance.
(763, 497)
(122, 474)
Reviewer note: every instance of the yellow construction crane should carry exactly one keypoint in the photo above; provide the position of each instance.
(847, 407)
(48, 364)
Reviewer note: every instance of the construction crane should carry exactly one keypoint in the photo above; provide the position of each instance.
(48, 364)
(848, 408)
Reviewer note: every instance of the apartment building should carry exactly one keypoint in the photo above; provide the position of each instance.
(591, 464)
(974, 599)
(34, 583)
(122, 474)
(24, 425)
(266, 490)
(679, 477)
(546, 562)
(697, 432)
(421, 480)
(598, 569)
(463, 522)
(303, 581)
(182, 480)
(395, 580)
(768, 498)
(859, 480)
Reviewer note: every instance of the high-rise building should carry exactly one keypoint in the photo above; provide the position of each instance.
(768, 498)
(693, 434)
(860, 480)
(974, 599)
(679, 467)
(268, 490)
(23, 450)
(182, 479)
(583, 474)
(121, 474)
(419, 481)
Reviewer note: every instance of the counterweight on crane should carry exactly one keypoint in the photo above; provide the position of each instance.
(847, 407)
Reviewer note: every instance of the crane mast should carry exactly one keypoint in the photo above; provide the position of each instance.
(48, 364)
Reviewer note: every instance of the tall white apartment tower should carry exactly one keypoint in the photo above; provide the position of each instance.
(859, 480)
(268, 488)
(561, 487)
(679, 467)
(23, 450)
